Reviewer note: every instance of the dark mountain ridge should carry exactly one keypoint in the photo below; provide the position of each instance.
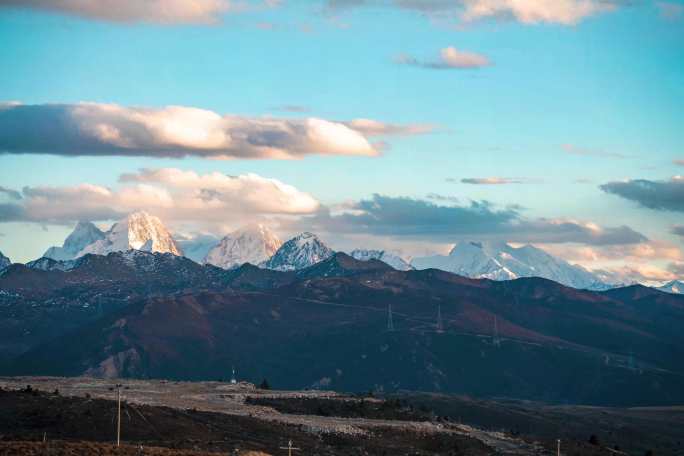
(327, 326)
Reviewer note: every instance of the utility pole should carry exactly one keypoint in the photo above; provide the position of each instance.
(118, 414)
(290, 448)
(390, 323)
(440, 325)
(558, 447)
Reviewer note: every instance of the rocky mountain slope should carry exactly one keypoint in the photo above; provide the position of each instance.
(299, 252)
(252, 244)
(84, 234)
(139, 230)
(500, 261)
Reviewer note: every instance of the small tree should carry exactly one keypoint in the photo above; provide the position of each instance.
(593, 439)
(264, 385)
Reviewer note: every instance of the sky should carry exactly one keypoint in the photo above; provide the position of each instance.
(400, 124)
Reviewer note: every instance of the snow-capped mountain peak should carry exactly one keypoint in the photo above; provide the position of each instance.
(140, 231)
(391, 258)
(84, 233)
(250, 244)
(501, 261)
(299, 252)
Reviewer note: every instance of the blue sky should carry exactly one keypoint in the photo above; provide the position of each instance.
(597, 98)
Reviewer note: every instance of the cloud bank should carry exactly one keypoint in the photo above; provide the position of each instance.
(178, 131)
(659, 195)
(494, 180)
(416, 219)
(173, 194)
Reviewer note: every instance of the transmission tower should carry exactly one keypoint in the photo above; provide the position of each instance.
(390, 323)
(496, 341)
(440, 326)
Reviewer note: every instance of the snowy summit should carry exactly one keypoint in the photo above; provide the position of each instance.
(140, 231)
(251, 244)
(299, 252)
(84, 234)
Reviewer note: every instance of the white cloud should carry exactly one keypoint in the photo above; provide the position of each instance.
(371, 127)
(642, 273)
(177, 131)
(205, 200)
(566, 12)
(589, 256)
(449, 58)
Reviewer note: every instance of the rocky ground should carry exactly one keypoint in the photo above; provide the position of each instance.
(220, 417)
(61, 448)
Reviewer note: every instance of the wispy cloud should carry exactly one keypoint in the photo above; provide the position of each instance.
(670, 10)
(677, 268)
(178, 131)
(444, 198)
(679, 162)
(585, 152)
(564, 12)
(293, 108)
(678, 230)
(371, 127)
(497, 180)
(12, 194)
(449, 58)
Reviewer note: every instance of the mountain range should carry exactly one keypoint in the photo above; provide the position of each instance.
(500, 261)
(145, 314)
(258, 245)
